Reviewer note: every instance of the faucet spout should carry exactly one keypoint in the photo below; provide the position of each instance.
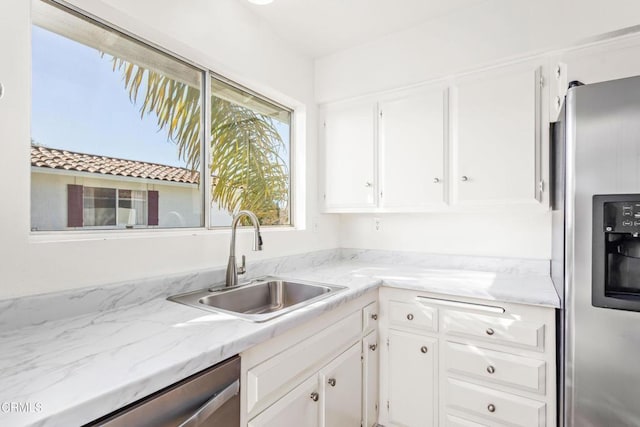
(232, 268)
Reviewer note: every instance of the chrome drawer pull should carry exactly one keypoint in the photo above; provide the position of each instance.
(490, 331)
(491, 369)
(314, 396)
(491, 407)
(424, 349)
(373, 347)
(374, 316)
(410, 316)
(332, 382)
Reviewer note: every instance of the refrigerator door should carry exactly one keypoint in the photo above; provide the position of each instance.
(602, 346)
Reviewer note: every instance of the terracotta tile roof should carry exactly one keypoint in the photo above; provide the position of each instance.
(45, 157)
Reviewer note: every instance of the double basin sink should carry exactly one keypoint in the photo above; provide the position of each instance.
(259, 300)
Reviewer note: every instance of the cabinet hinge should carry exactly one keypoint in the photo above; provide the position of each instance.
(381, 194)
(324, 124)
(324, 196)
(541, 186)
(380, 113)
(362, 357)
(541, 82)
(387, 405)
(387, 342)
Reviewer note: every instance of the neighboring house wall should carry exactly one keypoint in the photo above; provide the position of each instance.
(49, 201)
(179, 204)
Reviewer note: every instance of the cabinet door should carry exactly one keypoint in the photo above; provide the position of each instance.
(341, 384)
(497, 136)
(298, 408)
(412, 380)
(412, 150)
(370, 381)
(349, 142)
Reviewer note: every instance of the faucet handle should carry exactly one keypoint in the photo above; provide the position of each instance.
(243, 267)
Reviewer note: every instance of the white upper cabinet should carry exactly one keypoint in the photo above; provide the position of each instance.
(412, 136)
(497, 136)
(473, 142)
(349, 144)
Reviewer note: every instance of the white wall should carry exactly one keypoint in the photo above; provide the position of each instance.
(482, 234)
(494, 31)
(220, 34)
(479, 35)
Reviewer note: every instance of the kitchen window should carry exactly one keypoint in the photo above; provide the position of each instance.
(123, 123)
(250, 155)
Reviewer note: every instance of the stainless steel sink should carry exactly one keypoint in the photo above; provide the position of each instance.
(260, 300)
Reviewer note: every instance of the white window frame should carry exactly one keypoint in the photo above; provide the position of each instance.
(297, 193)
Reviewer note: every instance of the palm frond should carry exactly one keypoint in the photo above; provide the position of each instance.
(249, 170)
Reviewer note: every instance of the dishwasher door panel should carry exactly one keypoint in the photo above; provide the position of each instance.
(209, 398)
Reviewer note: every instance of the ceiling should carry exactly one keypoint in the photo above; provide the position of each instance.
(321, 27)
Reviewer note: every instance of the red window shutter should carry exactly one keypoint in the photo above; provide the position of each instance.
(152, 207)
(74, 205)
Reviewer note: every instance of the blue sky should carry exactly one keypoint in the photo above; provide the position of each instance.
(80, 104)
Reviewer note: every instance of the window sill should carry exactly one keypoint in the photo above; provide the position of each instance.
(88, 235)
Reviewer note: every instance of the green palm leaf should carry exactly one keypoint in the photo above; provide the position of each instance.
(246, 165)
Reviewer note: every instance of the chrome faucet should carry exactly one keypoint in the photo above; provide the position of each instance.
(232, 269)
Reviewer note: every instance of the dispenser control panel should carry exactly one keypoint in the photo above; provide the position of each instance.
(622, 217)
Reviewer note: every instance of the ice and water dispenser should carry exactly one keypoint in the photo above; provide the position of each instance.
(616, 252)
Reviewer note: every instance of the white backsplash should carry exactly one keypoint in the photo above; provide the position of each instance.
(37, 309)
(517, 266)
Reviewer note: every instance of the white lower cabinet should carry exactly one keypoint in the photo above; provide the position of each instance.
(298, 408)
(493, 405)
(333, 397)
(370, 383)
(405, 358)
(412, 379)
(465, 362)
(453, 421)
(341, 395)
(323, 373)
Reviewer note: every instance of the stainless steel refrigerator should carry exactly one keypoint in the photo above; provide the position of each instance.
(596, 253)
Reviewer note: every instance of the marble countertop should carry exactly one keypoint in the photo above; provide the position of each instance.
(71, 371)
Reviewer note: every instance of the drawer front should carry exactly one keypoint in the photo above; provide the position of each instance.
(269, 380)
(413, 315)
(494, 406)
(501, 330)
(496, 366)
(370, 317)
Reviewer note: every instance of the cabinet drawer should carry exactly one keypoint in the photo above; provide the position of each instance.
(370, 318)
(413, 315)
(493, 405)
(501, 330)
(495, 366)
(271, 379)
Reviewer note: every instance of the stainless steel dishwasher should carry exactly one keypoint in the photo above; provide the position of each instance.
(210, 398)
